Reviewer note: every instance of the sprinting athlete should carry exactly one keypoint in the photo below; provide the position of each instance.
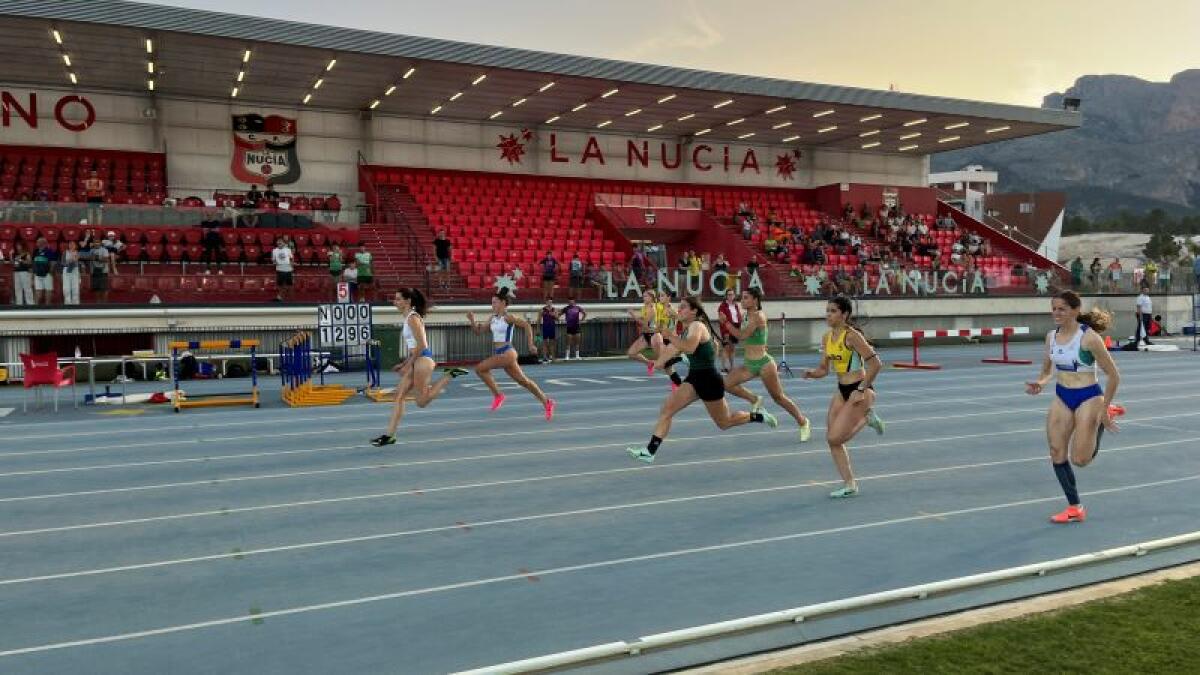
(757, 362)
(418, 365)
(574, 316)
(1080, 411)
(846, 351)
(703, 381)
(653, 320)
(504, 355)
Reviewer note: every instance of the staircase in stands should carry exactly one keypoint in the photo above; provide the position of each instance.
(395, 264)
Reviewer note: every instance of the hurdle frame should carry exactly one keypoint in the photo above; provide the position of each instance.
(916, 335)
(181, 400)
(296, 374)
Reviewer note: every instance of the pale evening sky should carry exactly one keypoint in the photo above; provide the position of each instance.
(1006, 51)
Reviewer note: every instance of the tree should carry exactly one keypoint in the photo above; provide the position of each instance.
(1161, 246)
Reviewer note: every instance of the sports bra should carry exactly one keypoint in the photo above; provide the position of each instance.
(650, 318)
(410, 340)
(758, 337)
(501, 329)
(1071, 357)
(843, 357)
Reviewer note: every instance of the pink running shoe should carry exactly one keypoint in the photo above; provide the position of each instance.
(497, 401)
(550, 406)
(673, 386)
(650, 368)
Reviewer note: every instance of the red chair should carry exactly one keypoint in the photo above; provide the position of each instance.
(42, 370)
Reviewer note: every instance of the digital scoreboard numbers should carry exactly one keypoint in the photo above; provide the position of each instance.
(344, 324)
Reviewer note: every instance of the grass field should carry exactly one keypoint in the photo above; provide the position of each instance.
(1155, 629)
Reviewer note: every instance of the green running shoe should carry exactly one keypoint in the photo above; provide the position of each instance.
(805, 431)
(641, 454)
(769, 419)
(455, 372)
(875, 422)
(844, 492)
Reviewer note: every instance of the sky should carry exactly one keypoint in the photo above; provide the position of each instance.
(1004, 51)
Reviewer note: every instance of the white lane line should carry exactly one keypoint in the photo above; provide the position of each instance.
(976, 377)
(601, 564)
(516, 481)
(692, 419)
(547, 516)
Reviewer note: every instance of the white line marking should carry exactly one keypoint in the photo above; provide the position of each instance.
(522, 576)
(553, 515)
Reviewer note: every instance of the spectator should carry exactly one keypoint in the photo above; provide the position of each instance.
(575, 267)
(1094, 271)
(214, 248)
(693, 268)
(249, 205)
(100, 261)
(721, 265)
(93, 191)
(44, 259)
(730, 313)
(685, 261)
(365, 275)
(1150, 269)
(770, 245)
(441, 250)
(283, 257)
(336, 264)
(549, 332)
(1164, 277)
(22, 275)
(1077, 272)
(747, 230)
(115, 248)
(1196, 271)
(1145, 312)
(70, 274)
(1114, 274)
(574, 315)
(638, 263)
(271, 196)
(752, 267)
(350, 277)
(598, 278)
(549, 274)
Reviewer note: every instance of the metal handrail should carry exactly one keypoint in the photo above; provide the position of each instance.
(1000, 226)
(720, 629)
(417, 253)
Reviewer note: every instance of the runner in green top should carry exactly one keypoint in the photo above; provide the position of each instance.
(365, 275)
(335, 262)
(757, 362)
(703, 381)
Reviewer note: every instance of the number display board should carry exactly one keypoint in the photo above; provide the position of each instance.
(346, 324)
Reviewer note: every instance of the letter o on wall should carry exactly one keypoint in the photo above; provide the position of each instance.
(77, 127)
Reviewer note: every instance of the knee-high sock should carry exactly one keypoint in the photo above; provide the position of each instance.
(1066, 478)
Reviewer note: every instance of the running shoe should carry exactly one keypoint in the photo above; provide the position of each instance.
(1072, 514)
(497, 401)
(875, 422)
(757, 406)
(641, 454)
(455, 372)
(805, 431)
(673, 386)
(550, 406)
(650, 368)
(844, 492)
(383, 440)
(769, 419)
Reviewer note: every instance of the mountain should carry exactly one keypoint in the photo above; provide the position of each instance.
(1137, 149)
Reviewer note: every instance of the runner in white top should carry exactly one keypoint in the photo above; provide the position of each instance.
(417, 368)
(504, 355)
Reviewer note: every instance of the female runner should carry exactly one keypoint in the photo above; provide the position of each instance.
(703, 381)
(756, 362)
(856, 364)
(652, 321)
(504, 355)
(1080, 410)
(418, 365)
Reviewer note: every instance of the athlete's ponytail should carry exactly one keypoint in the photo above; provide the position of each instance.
(698, 307)
(1095, 318)
(416, 299)
(503, 295)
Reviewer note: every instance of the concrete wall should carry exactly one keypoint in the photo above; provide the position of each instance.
(197, 138)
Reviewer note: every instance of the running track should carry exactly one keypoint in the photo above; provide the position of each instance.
(278, 541)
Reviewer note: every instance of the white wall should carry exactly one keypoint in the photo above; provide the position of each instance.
(1049, 247)
(197, 137)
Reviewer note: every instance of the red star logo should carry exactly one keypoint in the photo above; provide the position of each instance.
(511, 149)
(785, 166)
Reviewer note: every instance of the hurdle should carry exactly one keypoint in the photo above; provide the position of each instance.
(374, 391)
(182, 400)
(296, 372)
(916, 335)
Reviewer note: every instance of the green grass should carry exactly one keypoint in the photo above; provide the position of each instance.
(1152, 630)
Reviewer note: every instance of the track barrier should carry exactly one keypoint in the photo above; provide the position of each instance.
(916, 335)
(296, 370)
(182, 400)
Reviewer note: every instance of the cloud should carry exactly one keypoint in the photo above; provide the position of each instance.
(693, 33)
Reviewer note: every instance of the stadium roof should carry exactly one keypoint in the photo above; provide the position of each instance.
(109, 45)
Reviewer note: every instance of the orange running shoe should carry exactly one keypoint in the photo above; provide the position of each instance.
(1072, 514)
(1115, 410)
